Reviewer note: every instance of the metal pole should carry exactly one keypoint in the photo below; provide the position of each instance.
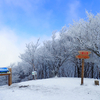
(82, 73)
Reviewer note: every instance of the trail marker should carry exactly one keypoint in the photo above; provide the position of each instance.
(34, 73)
(83, 55)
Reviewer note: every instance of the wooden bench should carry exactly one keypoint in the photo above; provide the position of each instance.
(9, 76)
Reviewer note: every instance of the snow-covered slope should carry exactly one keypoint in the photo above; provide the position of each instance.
(51, 89)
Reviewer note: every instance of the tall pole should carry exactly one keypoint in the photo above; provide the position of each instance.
(82, 73)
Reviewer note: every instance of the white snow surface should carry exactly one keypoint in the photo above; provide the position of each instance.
(52, 89)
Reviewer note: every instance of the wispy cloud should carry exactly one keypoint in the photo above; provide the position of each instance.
(28, 13)
(73, 10)
(74, 7)
(26, 5)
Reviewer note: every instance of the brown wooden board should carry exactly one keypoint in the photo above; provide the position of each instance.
(84, 52)
(1, 74)
(82, 57)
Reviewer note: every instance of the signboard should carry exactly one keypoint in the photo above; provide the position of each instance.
(34, 73)
(83, 55)
(4, 70)
(84, 52)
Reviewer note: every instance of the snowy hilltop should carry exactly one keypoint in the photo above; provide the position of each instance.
(51, 89)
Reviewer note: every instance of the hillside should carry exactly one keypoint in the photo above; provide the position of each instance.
(51, 89)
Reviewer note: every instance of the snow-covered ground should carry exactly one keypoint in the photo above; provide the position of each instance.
(51, 89)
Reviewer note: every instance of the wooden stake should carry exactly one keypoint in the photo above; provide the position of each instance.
(10, 77)
(82, 73)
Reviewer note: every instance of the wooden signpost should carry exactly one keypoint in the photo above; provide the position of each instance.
(9, 76)
(83, 55)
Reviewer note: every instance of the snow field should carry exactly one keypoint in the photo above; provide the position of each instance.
(52, 89)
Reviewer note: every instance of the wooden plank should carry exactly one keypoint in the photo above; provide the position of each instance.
(2, 74)
(82, 57)
(84, 52)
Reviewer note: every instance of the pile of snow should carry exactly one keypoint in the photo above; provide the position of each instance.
(51, 89)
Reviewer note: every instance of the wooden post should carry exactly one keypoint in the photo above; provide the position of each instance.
(82, 73)
(10, 77)
(96, 82)
(83, 55)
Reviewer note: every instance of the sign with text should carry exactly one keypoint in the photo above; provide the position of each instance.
(84, 52)
(83, 55)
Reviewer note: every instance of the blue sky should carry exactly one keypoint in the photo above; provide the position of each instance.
(23, 21)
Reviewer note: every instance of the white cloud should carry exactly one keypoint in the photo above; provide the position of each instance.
(11, 45)
(73, 9)
(8, 49)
